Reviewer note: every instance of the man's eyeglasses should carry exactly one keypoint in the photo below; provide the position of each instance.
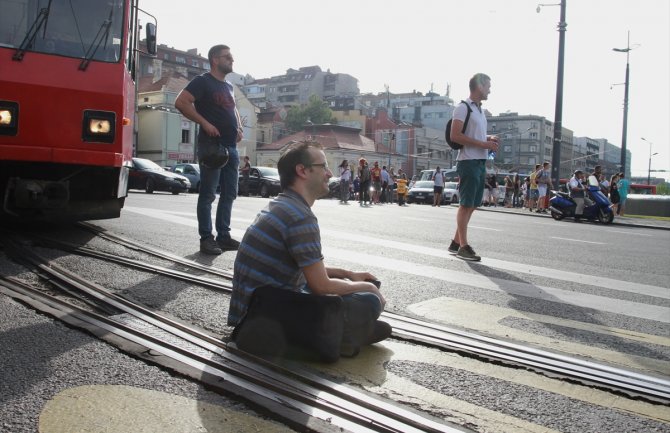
(324, 165)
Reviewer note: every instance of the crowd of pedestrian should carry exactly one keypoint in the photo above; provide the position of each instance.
(371, 185)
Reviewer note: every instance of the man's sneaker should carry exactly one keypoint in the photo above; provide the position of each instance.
(209, 246)
(380, 331)
(453, 247)
(467, 253)
(229, 244)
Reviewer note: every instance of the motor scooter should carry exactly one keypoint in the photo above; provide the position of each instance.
(596, 206)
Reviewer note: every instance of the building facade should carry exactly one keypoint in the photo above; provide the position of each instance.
(297, 85)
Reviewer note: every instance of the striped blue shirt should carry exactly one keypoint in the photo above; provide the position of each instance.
(282, 240)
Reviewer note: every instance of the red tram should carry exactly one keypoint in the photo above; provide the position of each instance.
(67, 106)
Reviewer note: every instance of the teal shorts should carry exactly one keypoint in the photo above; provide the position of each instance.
(472, 176)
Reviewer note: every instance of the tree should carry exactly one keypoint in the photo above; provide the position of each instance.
(315, 111)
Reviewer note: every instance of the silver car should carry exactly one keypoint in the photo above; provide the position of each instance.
(450, 193)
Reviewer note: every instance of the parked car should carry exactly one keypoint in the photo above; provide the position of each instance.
(150, 177)
(190, 171)
(263, 181)
(422, 192)
(450, 193)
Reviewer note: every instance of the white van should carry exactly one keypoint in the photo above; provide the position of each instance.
(449, 175)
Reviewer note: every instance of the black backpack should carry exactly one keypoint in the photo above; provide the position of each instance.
(447, 132)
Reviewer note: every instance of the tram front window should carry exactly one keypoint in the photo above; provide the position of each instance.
(76, 28)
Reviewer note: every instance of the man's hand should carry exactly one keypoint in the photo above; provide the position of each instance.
(210, 129)
(492, 143)
(361, 276)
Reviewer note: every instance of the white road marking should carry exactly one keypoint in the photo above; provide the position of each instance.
(577, 240)
(459, 312)
(484, 228)
(634, 233)
(512, 288)
(521, 268)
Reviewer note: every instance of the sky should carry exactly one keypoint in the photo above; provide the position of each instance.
(424, 44)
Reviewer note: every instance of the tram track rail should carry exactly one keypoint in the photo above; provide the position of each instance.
(296, 397)
(627, 382)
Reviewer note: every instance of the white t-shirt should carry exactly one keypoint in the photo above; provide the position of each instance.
(476, 129)
(345, 173)
(438, 179)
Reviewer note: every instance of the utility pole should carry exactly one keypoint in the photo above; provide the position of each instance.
(558, 113)
(624, 132)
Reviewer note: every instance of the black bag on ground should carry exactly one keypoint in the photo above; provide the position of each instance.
(282, 323)
(447, 132)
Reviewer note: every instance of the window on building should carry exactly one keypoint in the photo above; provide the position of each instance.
(507, 160)
(195, 63)
(533, 135)
(166, 56)
(180, 59)
(531, 160)
(185, 136)
(507, 148)
(532, 148)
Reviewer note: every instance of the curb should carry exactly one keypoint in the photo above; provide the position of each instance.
(533, 214)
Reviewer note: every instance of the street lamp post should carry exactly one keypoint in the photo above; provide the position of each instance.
(624, 132)
(650, 155)
(558, 113)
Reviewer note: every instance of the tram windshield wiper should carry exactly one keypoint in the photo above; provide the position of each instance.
(29, 39)
(103, 35)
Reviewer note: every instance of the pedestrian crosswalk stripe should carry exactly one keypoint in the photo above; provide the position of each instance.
(513, 288)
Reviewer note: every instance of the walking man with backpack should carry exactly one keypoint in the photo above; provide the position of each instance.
(471, 160)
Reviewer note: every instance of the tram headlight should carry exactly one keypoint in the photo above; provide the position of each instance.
(9, 118)
(99, 126)
(5, 117)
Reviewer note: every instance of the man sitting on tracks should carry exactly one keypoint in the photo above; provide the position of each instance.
(280, 304)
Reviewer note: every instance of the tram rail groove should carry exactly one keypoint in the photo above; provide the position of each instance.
(626, 382)
(344, 402)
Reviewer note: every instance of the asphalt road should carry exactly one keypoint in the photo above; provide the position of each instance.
(594, 291)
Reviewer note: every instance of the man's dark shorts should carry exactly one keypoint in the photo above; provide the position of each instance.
(472, 174)
(437, 189)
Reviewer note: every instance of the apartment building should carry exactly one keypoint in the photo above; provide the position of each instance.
(297, 85)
